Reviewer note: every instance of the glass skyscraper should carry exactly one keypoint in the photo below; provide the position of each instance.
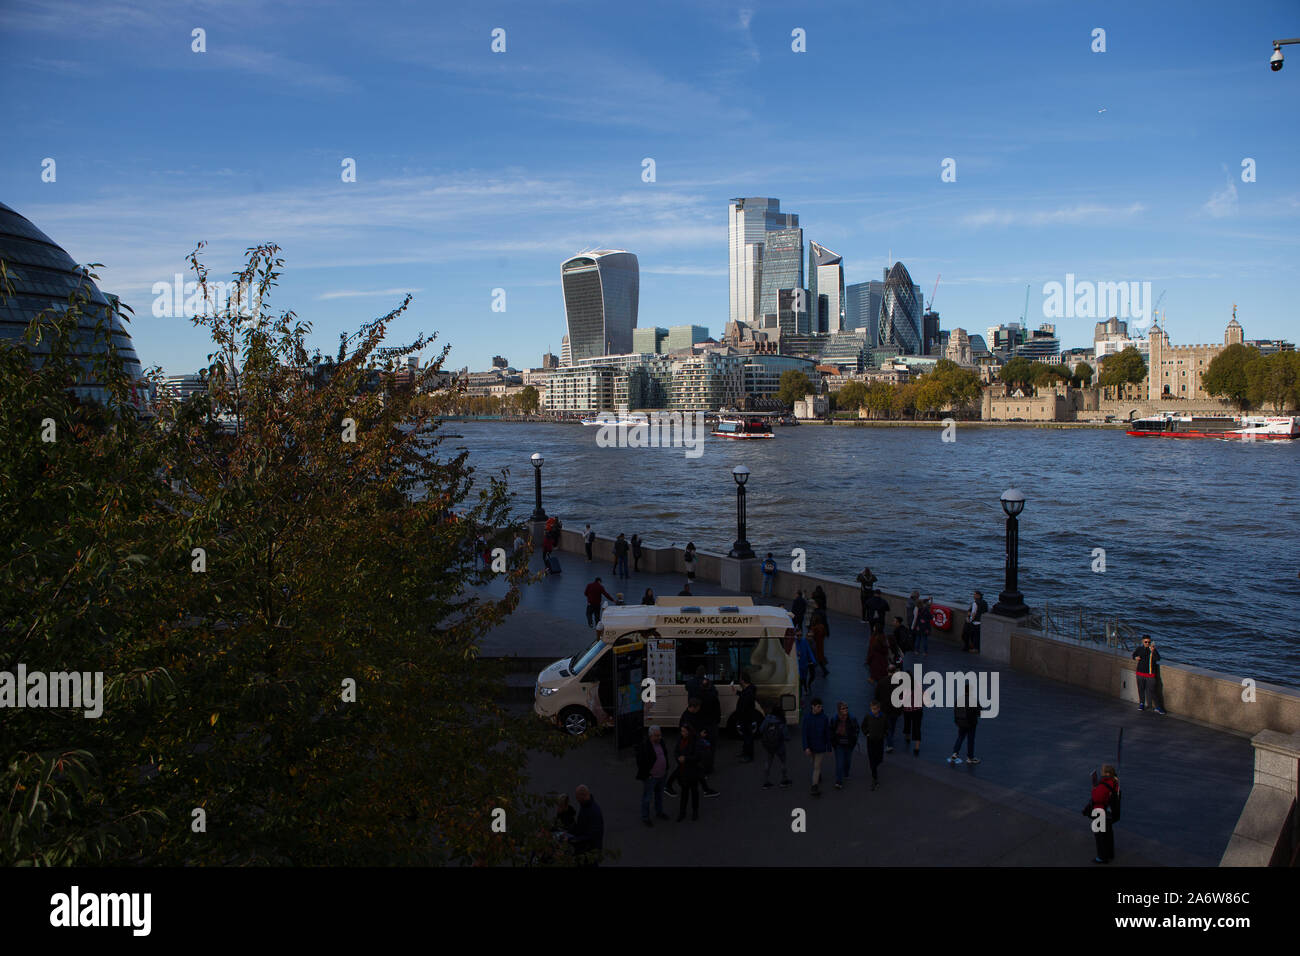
(900, 312)
(749, 223)
(782, 268)
(862, 307)
(601, 289)
(826, 279)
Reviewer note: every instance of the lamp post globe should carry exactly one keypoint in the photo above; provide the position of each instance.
(538, 513)
(741, 548)
(1011, 603)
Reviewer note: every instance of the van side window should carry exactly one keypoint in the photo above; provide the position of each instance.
(722, 660)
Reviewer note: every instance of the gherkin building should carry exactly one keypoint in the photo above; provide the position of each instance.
(900, 313)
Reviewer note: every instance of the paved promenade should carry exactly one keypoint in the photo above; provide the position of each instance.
(1184, 784)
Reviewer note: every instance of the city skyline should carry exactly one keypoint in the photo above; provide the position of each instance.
(1119, 166)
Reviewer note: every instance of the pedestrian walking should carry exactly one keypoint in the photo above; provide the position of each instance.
(1148, 675)
(816, 741)
(970, 634)
(967, 719)
(866, 584)
(774, 732)
(588, 539)
(689, 558)
(747, 716)
(819, 600)
(652, 771)
(873, 728)
(922, 618)
(688, 771)
(636, 552)
(798, 608)
(892, 711)
(909, 613)
(909, 698)
(710, 720)
(817, 632)
(594, 592)
(877, 662)
(877, 610)
(587, 835)
(620, 556)
(807, 663)
(1104, 797)
(902, 635)
(769, 574)
(648, 597)
(844, 737)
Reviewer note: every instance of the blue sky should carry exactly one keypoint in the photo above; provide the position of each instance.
(478, 170)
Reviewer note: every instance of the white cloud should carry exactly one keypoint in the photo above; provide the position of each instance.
(361, 294)
(1222, 203)
(1066, 215)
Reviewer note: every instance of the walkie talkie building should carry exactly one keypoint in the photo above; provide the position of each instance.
(601, 289)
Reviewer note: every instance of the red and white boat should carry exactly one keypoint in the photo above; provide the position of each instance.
(1247, 428)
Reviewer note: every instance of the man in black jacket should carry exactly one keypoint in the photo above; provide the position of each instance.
(1148, 675)
(746, 715)
(588, 831)
(710, 719)
(798, 608)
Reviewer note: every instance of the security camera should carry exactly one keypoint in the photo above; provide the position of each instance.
(1275, 61)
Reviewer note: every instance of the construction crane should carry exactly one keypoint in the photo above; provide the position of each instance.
(1024, 316)
(1155, 309)
(930, 307)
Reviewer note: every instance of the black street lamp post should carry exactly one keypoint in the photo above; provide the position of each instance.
(1011, 603)
(538, 513)
(741, 548)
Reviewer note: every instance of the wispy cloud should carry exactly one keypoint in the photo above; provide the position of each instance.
(1066, 215)
(362, 294)
(1222, 203)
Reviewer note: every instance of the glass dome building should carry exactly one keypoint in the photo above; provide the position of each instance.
(43, 276)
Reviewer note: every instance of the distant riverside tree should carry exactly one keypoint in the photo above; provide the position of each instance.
(286, 619)
(1017, 372)
(793, 387)
(1226, 376)
(529, 400)
(1083, 374)
(852, 396)
(1122, 368)
(1275, 380)
(878, 399)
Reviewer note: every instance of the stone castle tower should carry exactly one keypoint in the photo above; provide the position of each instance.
(1175, 371)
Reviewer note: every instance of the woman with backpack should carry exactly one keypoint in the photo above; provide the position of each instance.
(774, 732)
(1105, 797)
(844, 737)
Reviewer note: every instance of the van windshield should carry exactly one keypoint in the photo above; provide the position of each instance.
(579, 662)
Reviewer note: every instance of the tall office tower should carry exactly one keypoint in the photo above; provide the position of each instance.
(566, 353)
(930, 333)
(862, 306)
(601, 289)
(826, 278)
(782, 269)
(793, 314)
(900, 312)
(748, 223)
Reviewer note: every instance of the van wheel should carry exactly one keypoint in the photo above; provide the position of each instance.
(576, 721)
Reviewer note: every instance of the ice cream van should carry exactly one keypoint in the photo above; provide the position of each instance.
(668, 642)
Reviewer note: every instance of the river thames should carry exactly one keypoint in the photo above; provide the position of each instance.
(1200, 537)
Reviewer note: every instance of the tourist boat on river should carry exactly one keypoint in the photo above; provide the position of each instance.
(742, 428)
(1239, 428)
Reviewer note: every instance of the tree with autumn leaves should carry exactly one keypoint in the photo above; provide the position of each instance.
(271, 577)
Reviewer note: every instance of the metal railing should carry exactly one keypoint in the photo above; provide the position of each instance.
(1088, 627)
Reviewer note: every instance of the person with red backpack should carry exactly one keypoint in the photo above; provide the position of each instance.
(1104, 797)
